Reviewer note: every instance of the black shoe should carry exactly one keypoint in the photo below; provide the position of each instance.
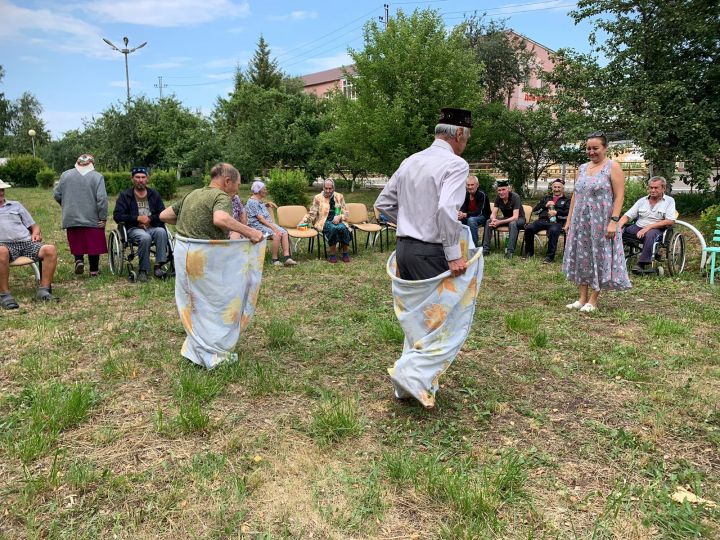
(160, 273)
(528, 255)
(486, 252)
(142, 276)
(548, 260)
(508, 255)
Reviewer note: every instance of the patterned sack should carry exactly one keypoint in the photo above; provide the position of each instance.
(436, 315)
(216, 288)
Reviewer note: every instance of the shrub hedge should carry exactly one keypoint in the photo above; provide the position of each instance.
(165, 182)
(708, 222)
(694, 203)
(46, 177)
(21, 170)
(287, 187)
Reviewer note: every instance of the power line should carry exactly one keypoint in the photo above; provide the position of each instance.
(552, 4)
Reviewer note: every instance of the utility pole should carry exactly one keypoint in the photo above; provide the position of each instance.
(385, 19)
(125, 52)
(160, 85)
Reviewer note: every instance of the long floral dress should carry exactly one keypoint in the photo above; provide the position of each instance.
(591, 258)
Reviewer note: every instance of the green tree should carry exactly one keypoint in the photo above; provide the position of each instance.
(4, 117)
(403, 76)
(661, 84)
(25, 114)
(506, 59)
(262, 69)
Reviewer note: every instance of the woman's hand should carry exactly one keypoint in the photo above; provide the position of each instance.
(566, 227)
(611, 229)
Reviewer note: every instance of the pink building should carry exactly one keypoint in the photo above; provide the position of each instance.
(323, 82)
(520, 98)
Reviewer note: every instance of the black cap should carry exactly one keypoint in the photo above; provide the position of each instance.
(455, 117)
(136, 170)
(502, 183)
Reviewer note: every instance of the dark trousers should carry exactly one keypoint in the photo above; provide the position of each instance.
(647, 241)
(419, 260)
(553, 233)
(514, 228)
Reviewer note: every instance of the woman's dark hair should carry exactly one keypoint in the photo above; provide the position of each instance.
(598, 135)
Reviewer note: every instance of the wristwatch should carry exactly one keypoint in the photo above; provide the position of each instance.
(615, 218)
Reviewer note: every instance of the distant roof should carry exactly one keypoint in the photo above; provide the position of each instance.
(524, 37)
(329, 75)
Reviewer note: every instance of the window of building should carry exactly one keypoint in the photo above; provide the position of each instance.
(348, 89)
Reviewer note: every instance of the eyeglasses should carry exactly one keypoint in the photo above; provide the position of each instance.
(596, 134)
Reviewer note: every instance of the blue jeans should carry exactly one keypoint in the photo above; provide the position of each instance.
(143, 239)
(475, 222)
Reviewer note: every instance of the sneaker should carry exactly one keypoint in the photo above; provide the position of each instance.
(548, 260)
(575, 305)
(79, 267)
(277, 262)
(142, 276)
(332, 259)
(345, 258)
(588, 308)
(289, 262)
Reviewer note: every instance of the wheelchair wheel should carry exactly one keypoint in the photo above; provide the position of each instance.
(676, 254)
(132, 276)
(116, 253)
(631, 258)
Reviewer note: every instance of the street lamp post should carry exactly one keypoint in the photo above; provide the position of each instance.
(125, 51)
(32, 134)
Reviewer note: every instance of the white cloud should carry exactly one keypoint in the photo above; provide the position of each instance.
(295, 16)
(167, 13)
(68, 33)
(328, 62)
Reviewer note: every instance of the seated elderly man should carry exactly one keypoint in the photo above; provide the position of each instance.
(510, 204)
(139, 208)
(653, 214)
(327, 214)
(20, 236)
(475, 211)
(552, 211)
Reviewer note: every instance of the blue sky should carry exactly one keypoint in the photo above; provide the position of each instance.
(55, 49)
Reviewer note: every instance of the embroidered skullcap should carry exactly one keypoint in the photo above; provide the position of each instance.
(85, 160)
(455, 117)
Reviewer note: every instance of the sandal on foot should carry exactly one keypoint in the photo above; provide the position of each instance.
(43, 294)
(8, 302)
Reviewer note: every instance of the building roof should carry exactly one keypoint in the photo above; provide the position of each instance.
(329, 75)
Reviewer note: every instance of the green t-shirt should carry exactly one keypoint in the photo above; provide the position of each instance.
(195, 213)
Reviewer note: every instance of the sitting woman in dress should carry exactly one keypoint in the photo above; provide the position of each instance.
(258, 217)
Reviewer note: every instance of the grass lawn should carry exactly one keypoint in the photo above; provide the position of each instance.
(549, 424)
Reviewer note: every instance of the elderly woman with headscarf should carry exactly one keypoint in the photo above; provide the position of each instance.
(327, 214)
(82, 196)
(258, 217)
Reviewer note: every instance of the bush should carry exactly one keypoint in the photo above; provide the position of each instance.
(115, 182)
(694, 203)
(486, 182)
(287, 187)
(165, 182)
(634, 190)
(708, 222)
(21, 171)
(45, 177)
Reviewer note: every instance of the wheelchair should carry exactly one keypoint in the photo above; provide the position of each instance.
(668, 254)
(122, 253)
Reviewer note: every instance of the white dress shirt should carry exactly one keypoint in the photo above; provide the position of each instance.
(647, 215)
(424, 196)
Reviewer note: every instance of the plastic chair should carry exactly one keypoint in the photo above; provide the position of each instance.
(359, 220)
(288, 218)
(36, 266)
(385, 225)
(713, 252)
(504, 229)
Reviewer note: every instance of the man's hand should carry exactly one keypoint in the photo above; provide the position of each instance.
(457, 267)
(493, 223)
(256, 236)
(549, 204)
(36, 237)
(101, 224)
(642, 232)
(143, 221)
(461, 215)
(552, 213)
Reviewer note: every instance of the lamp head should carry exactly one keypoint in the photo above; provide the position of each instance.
(31, 132)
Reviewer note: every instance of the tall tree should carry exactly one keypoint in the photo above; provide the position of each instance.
(25, 114)
(505, 56)
(5, 108)
(262, 69)
(661, 83)
(404, 74)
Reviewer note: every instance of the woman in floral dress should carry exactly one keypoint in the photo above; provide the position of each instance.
(594, 258)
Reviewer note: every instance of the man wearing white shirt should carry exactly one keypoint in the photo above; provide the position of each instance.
(653, 214)
(423, 198)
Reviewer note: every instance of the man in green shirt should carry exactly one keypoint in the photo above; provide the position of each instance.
(206, 213)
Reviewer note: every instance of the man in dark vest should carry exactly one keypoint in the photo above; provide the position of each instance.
(552, 211)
